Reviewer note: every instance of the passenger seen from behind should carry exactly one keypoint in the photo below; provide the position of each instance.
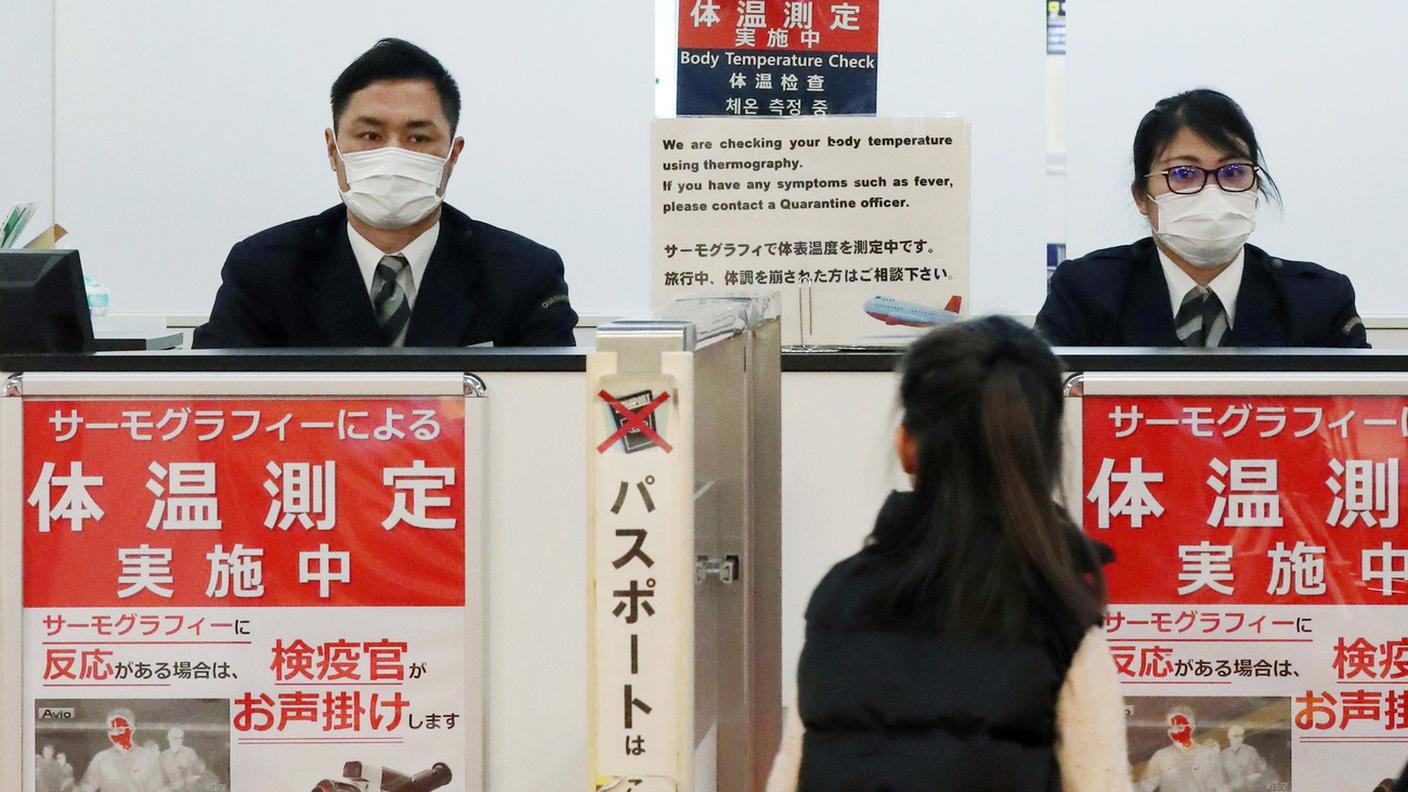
(962, 648)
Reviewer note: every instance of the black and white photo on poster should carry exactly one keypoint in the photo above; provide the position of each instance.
(132, 745)
(1195, 743)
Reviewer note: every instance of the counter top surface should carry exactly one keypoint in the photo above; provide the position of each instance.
(793, 360)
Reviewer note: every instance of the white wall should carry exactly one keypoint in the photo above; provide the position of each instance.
(838, 464)
(27, 96)
(1322, 85)
(536, 631)
(984, 61)
(183, 127)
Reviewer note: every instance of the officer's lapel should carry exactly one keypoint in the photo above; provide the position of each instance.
(1147, 313)
(340, 304)
(444, 308)
(1256, 322)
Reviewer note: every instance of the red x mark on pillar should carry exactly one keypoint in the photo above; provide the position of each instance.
(633, 420)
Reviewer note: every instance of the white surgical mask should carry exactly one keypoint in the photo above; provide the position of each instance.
(391, 187)
(1206, 228)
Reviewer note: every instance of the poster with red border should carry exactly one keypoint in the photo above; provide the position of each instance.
(243, 593)
(1257, 611)
(777, 57)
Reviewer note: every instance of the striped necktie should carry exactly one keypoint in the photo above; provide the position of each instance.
(393, 313)
(1200, 322)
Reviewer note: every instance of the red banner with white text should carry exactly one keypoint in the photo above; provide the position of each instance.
(243, 594)
(1256, 615)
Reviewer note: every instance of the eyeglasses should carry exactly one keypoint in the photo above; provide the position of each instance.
(1189, 179)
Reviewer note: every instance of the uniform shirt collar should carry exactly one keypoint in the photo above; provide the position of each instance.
(417, 254)
(1226, 285)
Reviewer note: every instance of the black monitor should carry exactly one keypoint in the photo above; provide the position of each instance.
(43, 305)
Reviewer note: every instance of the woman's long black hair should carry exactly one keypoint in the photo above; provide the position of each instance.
(990, 553)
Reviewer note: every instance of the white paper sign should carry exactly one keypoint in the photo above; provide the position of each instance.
(637, 588)
(860, 223)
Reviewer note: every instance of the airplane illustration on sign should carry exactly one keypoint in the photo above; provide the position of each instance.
(896, 312)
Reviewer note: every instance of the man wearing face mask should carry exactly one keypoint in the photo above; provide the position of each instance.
(391, 265)
(1195, 282)
(1243, 765)
(1185, 764)
(182, 767)
(124, 766)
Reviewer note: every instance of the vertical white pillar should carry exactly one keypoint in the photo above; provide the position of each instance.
(27, 150)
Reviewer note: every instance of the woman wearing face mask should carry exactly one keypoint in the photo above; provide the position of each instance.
(1198, 178)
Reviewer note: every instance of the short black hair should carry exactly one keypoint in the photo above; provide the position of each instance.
(396, 59)
(1212, 116)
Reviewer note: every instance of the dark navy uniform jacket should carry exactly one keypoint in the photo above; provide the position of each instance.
(298, 285)
(1118, 297)
(899, 706)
